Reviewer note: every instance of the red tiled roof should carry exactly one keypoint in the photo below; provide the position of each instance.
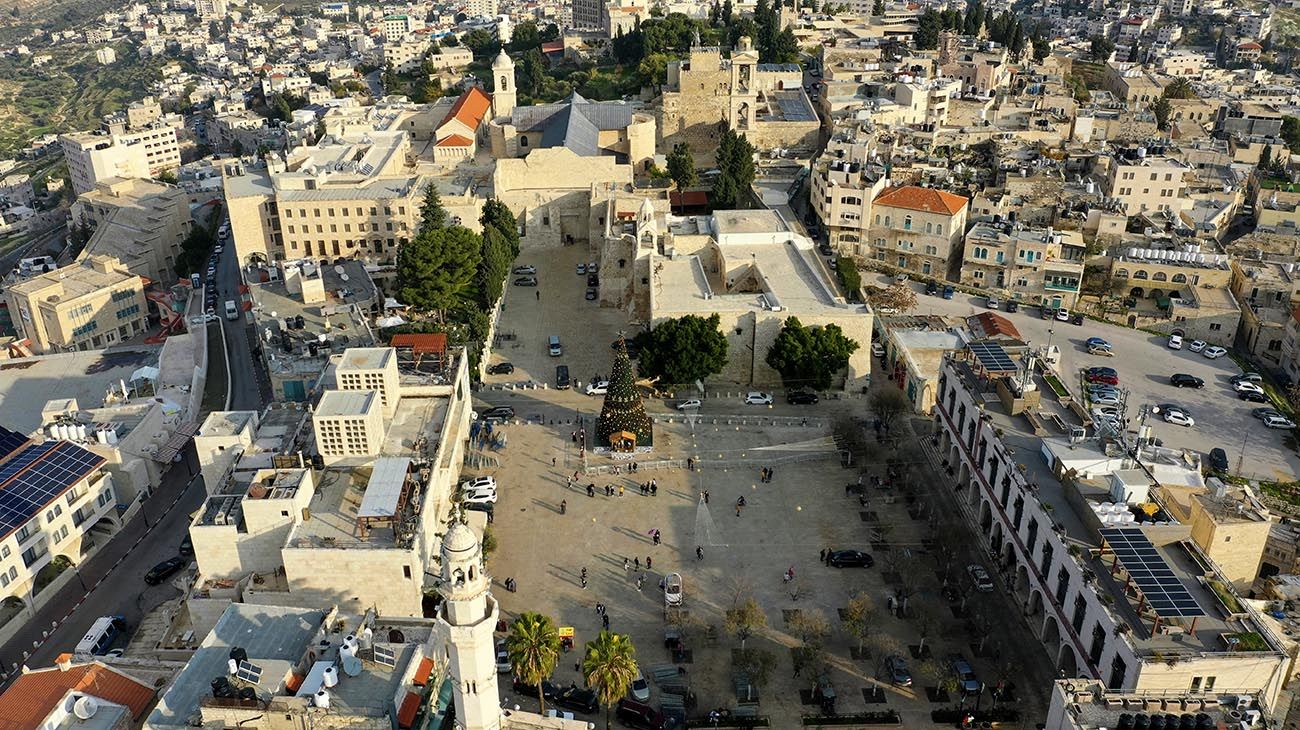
(33, 695)
(422, 343)
(470, 108)
(1295, 314)
(553, 47)
(1251, 46)
(913, 197)
(995, 325)
(455, 140)
(410, 706)
(690, 198)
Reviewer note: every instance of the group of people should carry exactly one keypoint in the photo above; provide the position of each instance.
(766, 474)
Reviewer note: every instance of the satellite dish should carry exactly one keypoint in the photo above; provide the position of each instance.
(85, 707)
(351, 666)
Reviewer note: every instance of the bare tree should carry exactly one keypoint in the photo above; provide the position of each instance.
(897, 297)
(940, 674)
(757, 664)
(742, 621)
(926, 623)
(811, 627)
(888, 404)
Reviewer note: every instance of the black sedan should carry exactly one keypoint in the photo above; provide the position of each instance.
(164, 570)
(1183, 380)
(577, 699)
(850, 559)
(1254, 396)
(1218, 461)
(522, 688)
(801, 398)
(498, 413)
(501, 368)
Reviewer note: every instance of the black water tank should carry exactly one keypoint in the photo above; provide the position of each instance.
(1187, 722)
(1157, 722)
(238, 654)
(248, 693)
(1141, 722)
(1125, 721)
(1204, 721)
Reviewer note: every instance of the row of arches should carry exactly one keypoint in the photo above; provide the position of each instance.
(1178, 278)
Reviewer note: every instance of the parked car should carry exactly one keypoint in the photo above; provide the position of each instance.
(1214, 352)
(1101, 351)
(877, 349)
(991, 303)
(640, 690)
(1047, 312)
(1246, 386)
(526, 281)
(498, 413)
(931, 288)
(1278, 422)
(1175, 342)
(526, 270)
(549, 691)
(503, 657)
(1262, 413)
(592, 267)
(1183, 380)
(850, 559)
(186, 548)
(164, 570)
(1012, 306)
(591, 295)
(1196, 345)
(1252, 396)
(825, 249)
(639, 715)
(484, 482)
(1102, 378)
(1102, 370)
(1218, 461)
(1063, 315)
(691, 404)
(1107, 398)
(204, 318)
(598, 388)
(967, 682)
(1077, 320)
(1101, 411)
(578, 699)
(801, 398)
(582, 269)
(756, 398)
(1096, 342)
(593, 280)
(1179, 418)
(501, 368)
(948, 291)
(980, 577)
(1247, 377)
(477, 496)
(896, 670)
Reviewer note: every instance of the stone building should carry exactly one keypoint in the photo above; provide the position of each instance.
(707, 94)
(139, 222)
(1185, 293)
(1040, 266)
(91, 304)
(588, 128)
(554, 192)
(918, 229)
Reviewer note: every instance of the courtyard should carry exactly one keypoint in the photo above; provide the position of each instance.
(812, 503)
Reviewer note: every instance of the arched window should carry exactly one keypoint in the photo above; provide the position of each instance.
(938, 229)
(503, 85)
(929, 228)
(1179, 279)
(1159, 276)
(1140, 275)
(907, 223)
(523, 140)
(1121, 273)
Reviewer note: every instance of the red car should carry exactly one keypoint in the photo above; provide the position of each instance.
(1106, 378)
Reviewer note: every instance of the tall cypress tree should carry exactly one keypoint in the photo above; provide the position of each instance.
(623, 410)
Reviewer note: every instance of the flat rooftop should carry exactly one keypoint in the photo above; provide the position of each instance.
(274, 637)
(346, 402)
(225, 423)
(417, 422)
(1094, 463)
(330, 324)
(366, 358)
(333, 522)
(27, 383)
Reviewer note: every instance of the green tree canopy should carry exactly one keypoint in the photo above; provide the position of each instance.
(735, 159)
(1291, 133)
(1180, 88)
(534, 649)
(497, 215)
(810, 356)
(681, 166)
(609, 667)
(683, 350)
(481, 43)
(1161, 108)
(526, 36)
(1100, 48)
(493, 267)
(432, 214)
(927, 30)
(437, 268)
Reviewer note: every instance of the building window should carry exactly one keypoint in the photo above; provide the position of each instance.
(907, 223)
(523, 140)
(1215, 326)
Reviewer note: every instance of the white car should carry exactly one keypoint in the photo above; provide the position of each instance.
(503, 657)
(1112, 424)
(593, 267)
(598, 388)
(524, 270)
(1106, 412)
(479, 496)
(1178, 418)
(755, 398)
(1175, 342)
(1278, 422)
(479, 483)
(877, 349)
(992, 303)
(693, 404)
(1063, 314)
(1106, 398)
(1246, 386)
(980, 577)
(1215, 352)
(204, 318)
(640, 689)
(1196, 345)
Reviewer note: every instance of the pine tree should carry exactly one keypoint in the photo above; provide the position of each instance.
(623, 410)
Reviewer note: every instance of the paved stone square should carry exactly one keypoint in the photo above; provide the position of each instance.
(784, 524)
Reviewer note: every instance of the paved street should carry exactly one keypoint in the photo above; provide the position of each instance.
(250, 387)
(1144, 364)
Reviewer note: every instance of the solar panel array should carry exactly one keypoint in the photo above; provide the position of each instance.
(36, 475)
(793, 109)
(10, 441)
(385, 656)
(1159, 584)
(249, 672)
(992, 357)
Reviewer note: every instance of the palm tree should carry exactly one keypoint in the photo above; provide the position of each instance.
(609, 668)
(534, 649)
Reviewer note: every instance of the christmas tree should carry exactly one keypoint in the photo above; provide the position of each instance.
(623, 411)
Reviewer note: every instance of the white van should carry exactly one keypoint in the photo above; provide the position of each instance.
(554, 343)
(232, 311)
(99, 637)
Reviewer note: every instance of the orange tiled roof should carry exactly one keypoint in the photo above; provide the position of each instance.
(995, 325)
(914, 197)
(454, 140)
(1251, 45)
(423, 671)
(470, 108)
(33, 695)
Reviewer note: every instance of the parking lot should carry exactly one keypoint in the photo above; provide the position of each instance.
(1144, 364)
(784, 524)
(556, 306)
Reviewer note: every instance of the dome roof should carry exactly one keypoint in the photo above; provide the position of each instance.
(459, 541)
(502, 59)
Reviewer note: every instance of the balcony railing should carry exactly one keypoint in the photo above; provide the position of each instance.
(1060, 287)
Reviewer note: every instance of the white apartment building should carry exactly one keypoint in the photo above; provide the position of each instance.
(99, 155)
(210, 9)
(1143, 183)
(1033, 266)
(1256, 25)
(843, 186)
(349, 424)
(58, 497)
(370, 369)
(1112, 599)
(396, 26)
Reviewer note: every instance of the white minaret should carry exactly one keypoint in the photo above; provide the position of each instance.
(503, 85)
(465, 621)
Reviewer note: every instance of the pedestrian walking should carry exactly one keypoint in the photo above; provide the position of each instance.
(620, 491)
(771, 474)
(822, 558)
(827, 559)
(699, 552)
(706, 496)
(539, 294)
(640, 581)
(656, 537)
(584, 582)
(701, 496)
(654, 489)
(737, 509)
(648, 564)
(552, 461)
(591, 490)
(627, 564)
(604, 620)
(564, 506)
(637, 562)
(600, 609)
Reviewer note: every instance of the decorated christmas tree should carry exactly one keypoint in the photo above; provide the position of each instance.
(623, 414)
